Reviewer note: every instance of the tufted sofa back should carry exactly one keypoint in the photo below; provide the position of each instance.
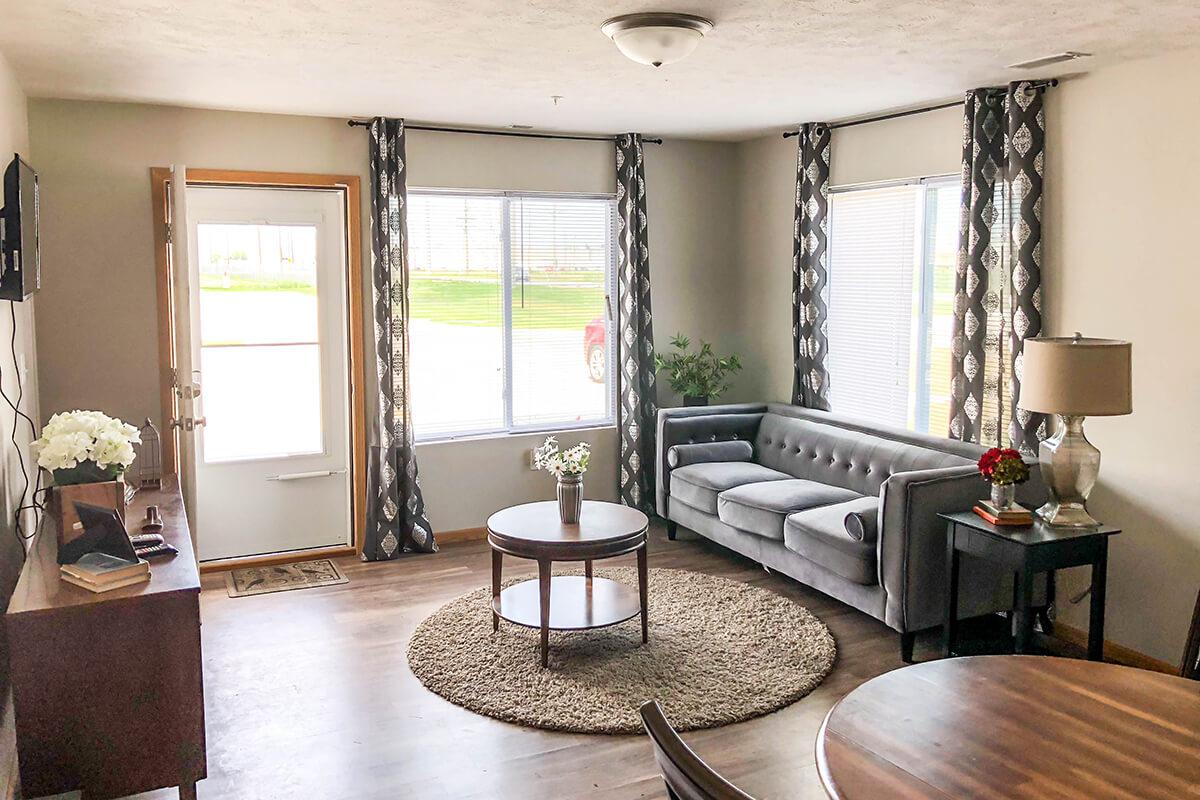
(851, 459)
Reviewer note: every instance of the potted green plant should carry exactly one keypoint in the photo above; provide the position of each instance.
(699, 376)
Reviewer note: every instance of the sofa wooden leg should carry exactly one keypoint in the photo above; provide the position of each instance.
(907, 640)
(671, 529)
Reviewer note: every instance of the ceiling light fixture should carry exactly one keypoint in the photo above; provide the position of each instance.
(1045, 61)
(656, 38)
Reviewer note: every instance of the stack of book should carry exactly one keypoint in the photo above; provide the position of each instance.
(100, 572)
(1017, 515)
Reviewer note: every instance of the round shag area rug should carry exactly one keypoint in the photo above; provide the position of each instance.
(720, 651)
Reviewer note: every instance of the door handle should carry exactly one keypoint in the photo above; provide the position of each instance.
(299, 476)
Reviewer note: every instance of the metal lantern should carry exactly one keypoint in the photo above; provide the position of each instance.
(148, 462)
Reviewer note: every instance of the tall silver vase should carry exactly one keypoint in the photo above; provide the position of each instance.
(570, 498)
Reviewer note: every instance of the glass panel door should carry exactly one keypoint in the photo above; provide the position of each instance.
(270, 337)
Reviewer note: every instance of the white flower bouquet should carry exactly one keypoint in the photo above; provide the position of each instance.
(85, 447)
(558, 463)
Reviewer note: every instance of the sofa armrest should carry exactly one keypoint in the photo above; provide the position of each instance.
(700, 424)
(912, 545)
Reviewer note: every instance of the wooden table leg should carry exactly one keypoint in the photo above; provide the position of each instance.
(497, 570)
(641, 562)
(587, 571)
(544, 592)
(1096, 617)
(950, 619)
(1024, 614)
(187, 791)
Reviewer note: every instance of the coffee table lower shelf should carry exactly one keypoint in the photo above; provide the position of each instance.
(574, 606)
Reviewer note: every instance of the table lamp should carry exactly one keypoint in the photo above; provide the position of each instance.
(1072, 378)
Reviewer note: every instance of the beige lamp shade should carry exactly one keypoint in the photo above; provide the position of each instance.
(1077, 376)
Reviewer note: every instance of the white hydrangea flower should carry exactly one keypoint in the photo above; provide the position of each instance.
(72, 438)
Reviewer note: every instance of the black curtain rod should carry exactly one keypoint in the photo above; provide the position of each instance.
(354, 123)
(1040, 85)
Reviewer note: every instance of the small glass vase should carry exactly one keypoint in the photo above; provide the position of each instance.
(570, 498)
(1004, 496)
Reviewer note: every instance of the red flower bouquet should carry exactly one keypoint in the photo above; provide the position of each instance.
(1003, 467)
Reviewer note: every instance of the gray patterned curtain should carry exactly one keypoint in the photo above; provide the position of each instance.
(810, 276)
(998, 294)
(636, 406)
(396, 520)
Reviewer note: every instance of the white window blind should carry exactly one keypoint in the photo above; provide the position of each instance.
(892, 251)
(509, 313)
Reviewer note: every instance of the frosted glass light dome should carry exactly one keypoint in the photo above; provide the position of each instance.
(656, 39)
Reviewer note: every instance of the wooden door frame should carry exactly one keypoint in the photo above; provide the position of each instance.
(350, 188)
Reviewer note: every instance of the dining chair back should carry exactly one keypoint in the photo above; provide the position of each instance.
(685, 773)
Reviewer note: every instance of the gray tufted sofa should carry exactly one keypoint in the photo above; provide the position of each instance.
(844, 506)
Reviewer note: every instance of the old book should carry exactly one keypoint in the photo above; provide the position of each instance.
(1016, 521)
(105, 587)
(1004, 513)
(102, 568)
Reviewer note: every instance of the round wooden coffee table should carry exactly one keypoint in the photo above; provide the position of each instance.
(1015, 727)
(567, 602)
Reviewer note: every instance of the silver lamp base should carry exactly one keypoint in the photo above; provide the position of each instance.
(1070, 465)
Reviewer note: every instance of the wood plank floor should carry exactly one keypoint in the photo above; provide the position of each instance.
(309, 697)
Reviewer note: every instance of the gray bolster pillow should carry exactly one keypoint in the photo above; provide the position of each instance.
(681, 455)
(862, 521)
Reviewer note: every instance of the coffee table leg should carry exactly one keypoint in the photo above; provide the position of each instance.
(641, 559)
(587, 571)
(497, 568)
(544, 591)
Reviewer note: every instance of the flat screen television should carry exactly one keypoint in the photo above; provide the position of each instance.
(22, 267)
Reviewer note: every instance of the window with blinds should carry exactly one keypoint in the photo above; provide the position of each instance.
(892, 254)
(509, 312)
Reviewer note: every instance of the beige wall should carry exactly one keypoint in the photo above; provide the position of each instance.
(14, 137)
(96, 207)
(1120, 210)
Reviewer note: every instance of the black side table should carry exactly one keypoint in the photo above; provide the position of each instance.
(1026, 551)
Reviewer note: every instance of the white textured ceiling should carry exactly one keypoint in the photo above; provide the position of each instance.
(768, 63)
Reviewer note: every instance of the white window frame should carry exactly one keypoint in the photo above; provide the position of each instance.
(924, 316)
(510, 428)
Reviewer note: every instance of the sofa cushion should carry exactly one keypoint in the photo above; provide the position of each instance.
(819, 534)
(681, 455)
(699, 484)
(762, 507)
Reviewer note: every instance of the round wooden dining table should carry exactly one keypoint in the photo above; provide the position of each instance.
(1014, 727)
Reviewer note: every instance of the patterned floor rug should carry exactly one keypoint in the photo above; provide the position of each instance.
(282, 578)
(720, 651)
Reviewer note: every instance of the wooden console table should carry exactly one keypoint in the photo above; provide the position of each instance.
(107, 687)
